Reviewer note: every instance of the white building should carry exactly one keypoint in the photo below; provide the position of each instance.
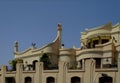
(96, 61)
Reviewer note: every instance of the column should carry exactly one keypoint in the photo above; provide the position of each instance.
(100, 40)
(83, 64)
(78, 64)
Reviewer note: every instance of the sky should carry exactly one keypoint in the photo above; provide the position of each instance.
(35, 21)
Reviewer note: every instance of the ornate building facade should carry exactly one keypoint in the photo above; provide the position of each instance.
(96, 61)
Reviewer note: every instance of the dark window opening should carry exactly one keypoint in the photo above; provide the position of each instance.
(88, 45)
(9, 80)
(95, 42)
(98, 62)
(75, 80)
(50, 80)
(105, 79)
(34, 63)
(104, 41)
(28, 80)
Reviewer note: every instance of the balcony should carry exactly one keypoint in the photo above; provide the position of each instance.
(107, 67)
(90, 53)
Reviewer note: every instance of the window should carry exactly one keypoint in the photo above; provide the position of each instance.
(34, 62)
(9, 80)
(105, 79)
(28, 80)
(50, 80)
(75, 79)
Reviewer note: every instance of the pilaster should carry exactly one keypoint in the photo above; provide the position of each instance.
(3, 72)
(19, 70)
(118, 67)
(89, 70)
(62, 72)
(39, 71)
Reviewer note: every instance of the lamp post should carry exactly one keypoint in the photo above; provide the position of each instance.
(103, 75)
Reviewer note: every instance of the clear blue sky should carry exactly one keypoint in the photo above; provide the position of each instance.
(35, 21)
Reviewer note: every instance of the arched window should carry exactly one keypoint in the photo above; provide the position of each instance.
(9, 80)
(34, 62)
(50, 80)
(28, 80)
(75, 79)
(105, 79)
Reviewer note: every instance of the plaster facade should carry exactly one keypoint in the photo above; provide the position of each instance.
(96, 61)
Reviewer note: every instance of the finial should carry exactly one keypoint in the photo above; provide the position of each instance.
(59, 26)
(62, 45)
(59, 35)
(16, 46)
(33, 45)
(16, 42)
